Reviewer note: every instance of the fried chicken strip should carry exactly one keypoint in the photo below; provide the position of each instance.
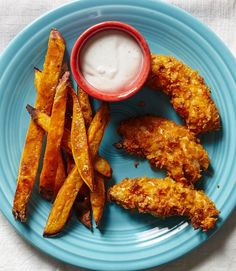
(190, 96)
(164, 198)
(166, 145)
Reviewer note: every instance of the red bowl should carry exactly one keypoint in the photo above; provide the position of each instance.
(99, 93)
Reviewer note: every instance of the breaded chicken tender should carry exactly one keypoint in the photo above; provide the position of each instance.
(164, 198)
(190, 96)
(166, 145)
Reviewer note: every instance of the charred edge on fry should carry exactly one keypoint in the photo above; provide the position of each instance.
(21, 216)
(55, 33)
(37, 69)
(48, 235)
(32, 111)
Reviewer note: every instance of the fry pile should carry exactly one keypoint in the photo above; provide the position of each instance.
(73, 173)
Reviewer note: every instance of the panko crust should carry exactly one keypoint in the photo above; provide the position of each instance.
(166, 145)
(190, 96)
(164, 198)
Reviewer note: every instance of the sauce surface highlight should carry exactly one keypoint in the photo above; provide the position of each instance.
(111, 60)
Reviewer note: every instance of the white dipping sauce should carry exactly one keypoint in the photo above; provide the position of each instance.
(111, 60)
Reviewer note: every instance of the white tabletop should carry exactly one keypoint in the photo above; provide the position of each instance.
(219, 253)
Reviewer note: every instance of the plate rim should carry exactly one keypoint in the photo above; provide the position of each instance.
(231, 63)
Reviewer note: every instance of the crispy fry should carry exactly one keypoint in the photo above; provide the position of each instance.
(82, 207)
(79, 143)
(85, 106)
(60, 176)
(70, 163)
(33, 144)
(102, 166)
(97, 198)
(40, 118)
(82, 202)
(43, 120)
(51, 70)
(54, 136)
(63, 203)
(37, 75)
(97, 128)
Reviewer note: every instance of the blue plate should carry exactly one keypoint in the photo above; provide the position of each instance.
(126, 241)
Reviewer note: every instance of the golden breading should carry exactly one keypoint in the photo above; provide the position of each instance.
(166, 145)
(164, 198)
(190, 96)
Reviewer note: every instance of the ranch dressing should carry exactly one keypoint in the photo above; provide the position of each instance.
(111, 60)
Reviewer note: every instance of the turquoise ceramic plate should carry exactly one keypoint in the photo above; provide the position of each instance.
(126, 241)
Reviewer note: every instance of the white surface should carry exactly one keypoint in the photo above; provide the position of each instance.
(219, 253)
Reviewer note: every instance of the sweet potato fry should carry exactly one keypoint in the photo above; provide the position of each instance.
(79, 143)
(34, 138)
(60, 176)
(43, 120)
(82, 202)
(65, 198)
(37, 75)
(63, 203)
(97, 128)
(102, 166)
(54, 136)
(82, 207)
(70, 163)
(85, 107)
(97, 198)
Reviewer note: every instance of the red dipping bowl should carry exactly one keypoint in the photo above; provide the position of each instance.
(122, 93)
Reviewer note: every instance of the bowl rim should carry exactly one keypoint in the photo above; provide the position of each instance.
(89, 33)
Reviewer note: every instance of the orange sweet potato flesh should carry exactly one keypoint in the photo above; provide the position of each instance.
(60, 176)
(85, 107)
(82, 203)
(37, 76)
(97, 128)
(98, 198)
(95, 134)
(79, 143)
(54, 136)
(43, 120)
(63, 203)
(33, 144)
(102, 166)
(66, 197)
